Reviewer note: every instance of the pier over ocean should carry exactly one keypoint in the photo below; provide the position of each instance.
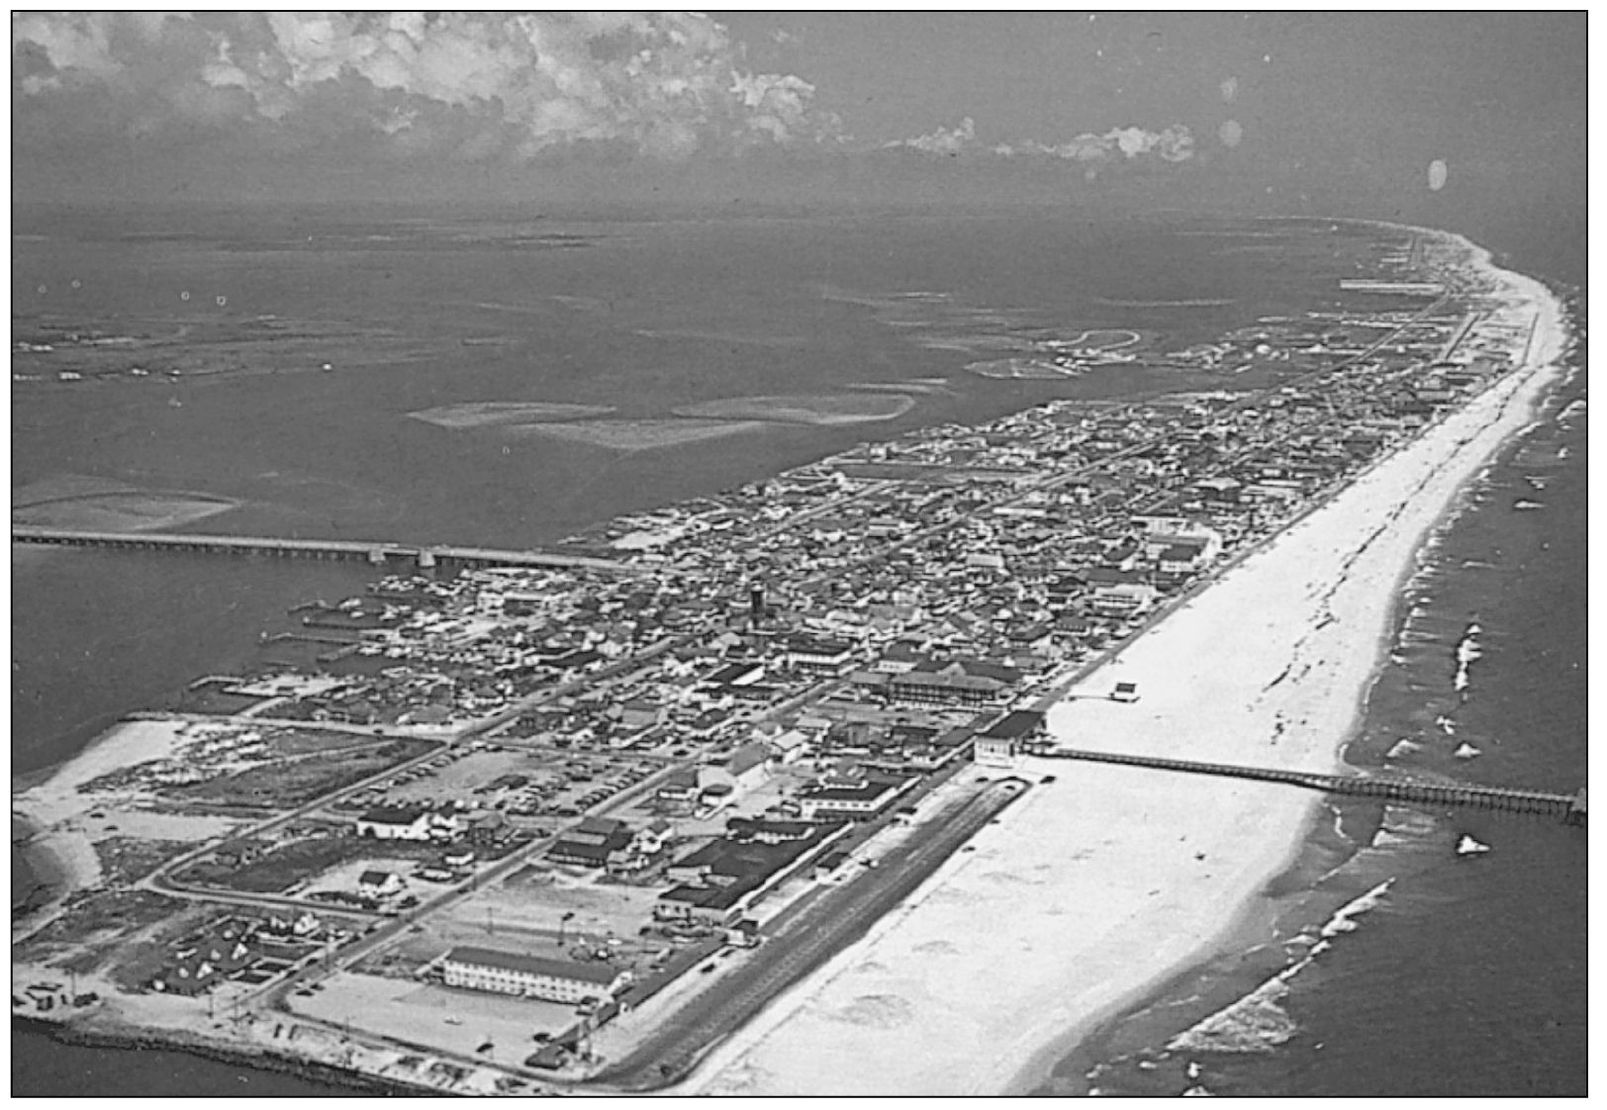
(1569, 807)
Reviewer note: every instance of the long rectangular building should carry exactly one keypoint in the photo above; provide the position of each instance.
(488, 969)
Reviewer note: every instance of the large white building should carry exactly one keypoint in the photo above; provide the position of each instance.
(487, 969)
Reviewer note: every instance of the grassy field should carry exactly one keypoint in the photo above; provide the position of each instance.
(287, 783)
(97, 926)
(286, 865)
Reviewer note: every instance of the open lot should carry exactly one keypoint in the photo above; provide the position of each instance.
(526, 913)
(343, 877)
(437, 1016)
(320, 863)
(300, 778)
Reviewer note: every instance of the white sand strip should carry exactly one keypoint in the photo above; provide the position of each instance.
(1094, 890)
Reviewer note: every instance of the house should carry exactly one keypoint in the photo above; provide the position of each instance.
(900, 657)
(592, 842)
(1125, 600)
(639, 714)
(488, 969)
(396, 823)
(650, 838)
(808, 653)
(787, 747)
(379, 884)
(678, 792)
(1184, 557)
(744, 769)
(488, 828)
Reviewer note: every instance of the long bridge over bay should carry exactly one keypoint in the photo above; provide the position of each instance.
(375, 552)
(1569, 807)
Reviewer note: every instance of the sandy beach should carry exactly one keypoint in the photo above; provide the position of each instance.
(64, 821)
(1102, 885)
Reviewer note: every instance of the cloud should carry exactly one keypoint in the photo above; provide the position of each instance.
(1120, 144)
(462, 86)
(944, 140)
(1172, 144)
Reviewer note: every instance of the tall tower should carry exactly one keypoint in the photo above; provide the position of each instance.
(756, 606)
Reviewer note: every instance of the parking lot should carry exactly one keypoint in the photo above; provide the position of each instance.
(520, 782)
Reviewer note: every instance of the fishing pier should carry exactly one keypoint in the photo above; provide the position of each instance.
(1568, 807)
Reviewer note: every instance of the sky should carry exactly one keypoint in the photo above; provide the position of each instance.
(1339, 113)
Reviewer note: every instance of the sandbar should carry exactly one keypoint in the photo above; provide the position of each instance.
(1022, 369)
(1095, 889)
(640, 435)
(490, 414)
(816, 408)
(93, 504)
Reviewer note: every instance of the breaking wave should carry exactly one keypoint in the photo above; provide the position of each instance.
(1258, 1023)
(1467, 652)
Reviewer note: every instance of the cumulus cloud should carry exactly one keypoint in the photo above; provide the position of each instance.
(1120, 144)
(468, 86)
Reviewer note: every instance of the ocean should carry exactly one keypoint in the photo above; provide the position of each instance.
(415, 311)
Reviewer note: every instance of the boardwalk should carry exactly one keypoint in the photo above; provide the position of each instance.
(377, 552)
(1567, 806)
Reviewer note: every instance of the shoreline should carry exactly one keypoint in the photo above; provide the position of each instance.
(133, 1040)
(1543, 380)
(1450, 454)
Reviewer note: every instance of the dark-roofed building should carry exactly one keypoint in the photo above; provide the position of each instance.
(946, 688)
(1008, 737)
(395, 823)
(741, 673)
(592, 843)
(489, 969)
(378, 884)
(711, 905)
(1019, 724)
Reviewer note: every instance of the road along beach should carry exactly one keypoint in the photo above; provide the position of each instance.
(1096, 888)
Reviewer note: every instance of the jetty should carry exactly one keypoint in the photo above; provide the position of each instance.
(374, 552)
(1568, 807)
